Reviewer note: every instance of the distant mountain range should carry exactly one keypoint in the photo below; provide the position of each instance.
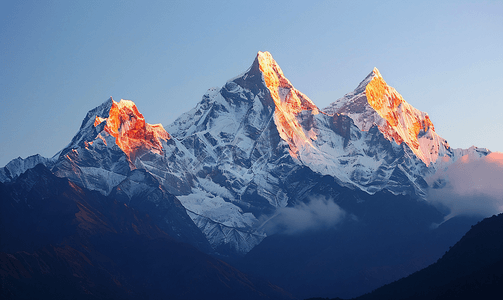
(328, 202)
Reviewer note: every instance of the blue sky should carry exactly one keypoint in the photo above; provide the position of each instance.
(59, 59)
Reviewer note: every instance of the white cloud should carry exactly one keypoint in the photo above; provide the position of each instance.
(318, 213)
(473, 187)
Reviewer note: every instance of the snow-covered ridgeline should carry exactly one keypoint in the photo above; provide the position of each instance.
(237, 155)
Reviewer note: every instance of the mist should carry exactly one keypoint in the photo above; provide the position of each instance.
(474, 187)
(318, 213)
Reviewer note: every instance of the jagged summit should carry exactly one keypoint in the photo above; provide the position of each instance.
(289, 102)
(132, 134)
(363, 85)
(374, 102)
(125, 124)
(112, 140)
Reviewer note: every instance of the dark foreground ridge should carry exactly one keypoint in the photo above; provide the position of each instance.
(60, 241)
(471, 269)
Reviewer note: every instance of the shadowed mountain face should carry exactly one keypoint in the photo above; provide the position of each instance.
(63, 241)
(363, 251)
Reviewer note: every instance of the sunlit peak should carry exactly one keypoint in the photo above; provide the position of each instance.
(289, 102)
(403, 123)
(132, 134)
(266, 61)
(126, 103)
(376, 72)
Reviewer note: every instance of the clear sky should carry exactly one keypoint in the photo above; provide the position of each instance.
(59, 60)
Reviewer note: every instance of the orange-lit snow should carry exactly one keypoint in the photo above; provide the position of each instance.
(289, 103)
(403, 122)
(132, 134)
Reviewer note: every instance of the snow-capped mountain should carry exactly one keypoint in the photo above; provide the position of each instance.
(251, 138)
(255, 145)
(19, 165)
(375, 103)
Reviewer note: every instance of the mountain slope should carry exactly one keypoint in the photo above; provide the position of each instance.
(374, 102)
(381, 238)
(471, 269)
(62, 241)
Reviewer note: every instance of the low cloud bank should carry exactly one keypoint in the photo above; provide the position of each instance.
(318, 213)
(472, 186)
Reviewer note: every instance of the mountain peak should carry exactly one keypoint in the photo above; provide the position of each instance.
(374, 102)
(132, 134)
(273, 75)
(376, 72)
(266, 57)
(403, 122)
(288, 101)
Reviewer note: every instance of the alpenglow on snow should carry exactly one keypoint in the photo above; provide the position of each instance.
(253, 146)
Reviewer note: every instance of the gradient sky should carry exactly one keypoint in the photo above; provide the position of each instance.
(59, 60)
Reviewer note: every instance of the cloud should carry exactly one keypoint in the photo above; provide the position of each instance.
(473, 186)
(318, 213)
